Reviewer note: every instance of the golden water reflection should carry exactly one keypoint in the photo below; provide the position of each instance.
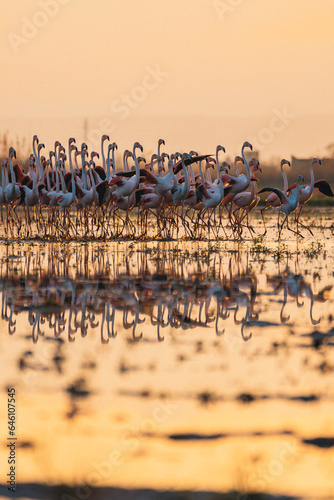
(171, 365)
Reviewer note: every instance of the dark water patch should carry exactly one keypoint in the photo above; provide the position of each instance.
(263, 324)
(246, 397)
(78, 389)
(320, 442)
(195, 437)
(37, 491)
(190, 436)
(207, 397)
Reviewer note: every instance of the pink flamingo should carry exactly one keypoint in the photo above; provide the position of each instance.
(289, 202)
(307, 191)
(11, 190)
(273, 200)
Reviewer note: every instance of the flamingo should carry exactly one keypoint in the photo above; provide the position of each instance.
(11, 190)
(247, 200)
(288, 202)
(307, 191)
(273, 201)
(104, 138)
(38, 163)
(238, 184)
(127, 186)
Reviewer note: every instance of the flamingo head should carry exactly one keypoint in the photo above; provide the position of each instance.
(63, 156)
(94, 153)
(141, 158)
(12, 153)
(220, 148)
(164, 155)
(137, 145)
(193, 153)
(40, 146)
(73, 147)
(210, 164)
(71, 139)
(238, 158)
(51, 154)
(300, 178)
(247, 144)
(285, 162)
(186, 155)
(35, 139)
(84, 146)
(225, 166)
(255, 164)
(161, 141)
(105, 137)
(316, 160)
(114, 145)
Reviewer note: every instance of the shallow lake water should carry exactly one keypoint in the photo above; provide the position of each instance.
(173, 366)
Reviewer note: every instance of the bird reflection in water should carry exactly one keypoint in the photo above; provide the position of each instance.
(295, 286)
(72, 290)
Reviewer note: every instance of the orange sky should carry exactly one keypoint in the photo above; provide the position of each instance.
(128, 59)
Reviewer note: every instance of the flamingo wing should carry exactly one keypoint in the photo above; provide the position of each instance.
(121, 173)
(117, 180)
(150, 178)
(101, 190)
(324, 187)
(188, 161)
(282, 196)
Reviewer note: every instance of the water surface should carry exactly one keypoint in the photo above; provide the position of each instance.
(171, 365)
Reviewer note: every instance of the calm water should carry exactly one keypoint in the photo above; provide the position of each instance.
(170, 366)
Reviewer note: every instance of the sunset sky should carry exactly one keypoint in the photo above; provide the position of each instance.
(261, 68)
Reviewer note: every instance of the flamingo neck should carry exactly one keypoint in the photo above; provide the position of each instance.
(186, 180)
(57, 178)
(70, 157)
(137, 176)
(40, 175)
(246, 164)
(84, 176)
(73, 185)
(312, 175)
(113, 161)
(48, 184)
(39, 166)
(285, 179)
(12, 174)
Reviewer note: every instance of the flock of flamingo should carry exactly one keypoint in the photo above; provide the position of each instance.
(105, 197)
